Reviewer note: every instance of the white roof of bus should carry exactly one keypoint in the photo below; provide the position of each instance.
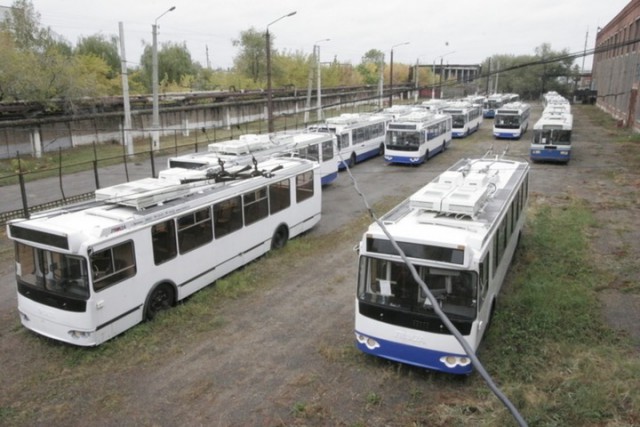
(92, 222)
(565, 120)
(414, 221)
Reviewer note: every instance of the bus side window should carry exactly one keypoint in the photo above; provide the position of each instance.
(256, 205)
(279, 196)
(112, 265)
(194, 229)
(227, 216)
(163, 237)
(304, 186)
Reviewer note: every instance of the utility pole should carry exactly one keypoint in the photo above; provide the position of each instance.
(126, 132)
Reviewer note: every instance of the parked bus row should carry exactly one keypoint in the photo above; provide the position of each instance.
(88, 272)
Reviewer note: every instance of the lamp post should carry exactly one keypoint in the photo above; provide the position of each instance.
(269, 93)
(391, 73)
(316, 50)
(155, 123)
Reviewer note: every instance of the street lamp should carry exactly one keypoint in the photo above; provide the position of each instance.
(155, 123)
(269, 94)
(391, 74)
(316, 50)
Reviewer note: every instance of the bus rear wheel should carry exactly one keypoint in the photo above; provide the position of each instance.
(161, 298)
(280, 237)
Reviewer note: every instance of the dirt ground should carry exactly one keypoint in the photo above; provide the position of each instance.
(289, 348)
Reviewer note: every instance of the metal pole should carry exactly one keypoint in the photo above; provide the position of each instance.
(269, 94)
(155, 124)
(127, 137)
(269, 90)
(391, 80)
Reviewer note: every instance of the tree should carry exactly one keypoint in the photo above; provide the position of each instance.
(174, 64)
(370, 67)
(99, 46)
(531, 75)
(251, 61)
(23, 23)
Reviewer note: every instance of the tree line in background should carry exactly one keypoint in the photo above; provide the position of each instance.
(36, 65)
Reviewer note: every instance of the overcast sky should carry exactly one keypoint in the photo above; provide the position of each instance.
(463, 31)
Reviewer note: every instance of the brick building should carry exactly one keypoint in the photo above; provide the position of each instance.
(616, 65)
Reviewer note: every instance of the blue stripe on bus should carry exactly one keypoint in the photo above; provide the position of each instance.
(551, 155)
(416, 356)
(328, 179)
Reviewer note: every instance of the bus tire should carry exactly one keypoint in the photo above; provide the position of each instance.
(352, 160)
(280, 237)
(381, 150)
(162, 297)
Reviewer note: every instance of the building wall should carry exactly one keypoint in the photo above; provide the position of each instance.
(616, 65)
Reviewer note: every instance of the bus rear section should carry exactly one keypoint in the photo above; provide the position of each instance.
(552, 138)
(511, 121)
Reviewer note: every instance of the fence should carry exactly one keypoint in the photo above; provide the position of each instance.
(67, 175)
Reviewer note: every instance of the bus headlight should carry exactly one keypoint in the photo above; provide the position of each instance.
(564, 153)
(79, 334)
(453, 361)
(535, 151)
(369, 342)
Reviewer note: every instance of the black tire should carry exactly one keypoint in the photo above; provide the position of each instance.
(161, 298)
(352, 160)
(280, 237)
(381, 150)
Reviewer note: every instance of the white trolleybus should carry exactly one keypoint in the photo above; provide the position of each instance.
(359, 136)
(307, 145)
(87, 273)
(459, 232)
(511, 120)
(552, 138)
(492, 103)
(466, 118)
(416, 137)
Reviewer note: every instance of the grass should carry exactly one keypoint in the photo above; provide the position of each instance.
(548, 345)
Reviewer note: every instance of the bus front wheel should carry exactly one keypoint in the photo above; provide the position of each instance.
(352, 161)
(280, 237)
(161, 298)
